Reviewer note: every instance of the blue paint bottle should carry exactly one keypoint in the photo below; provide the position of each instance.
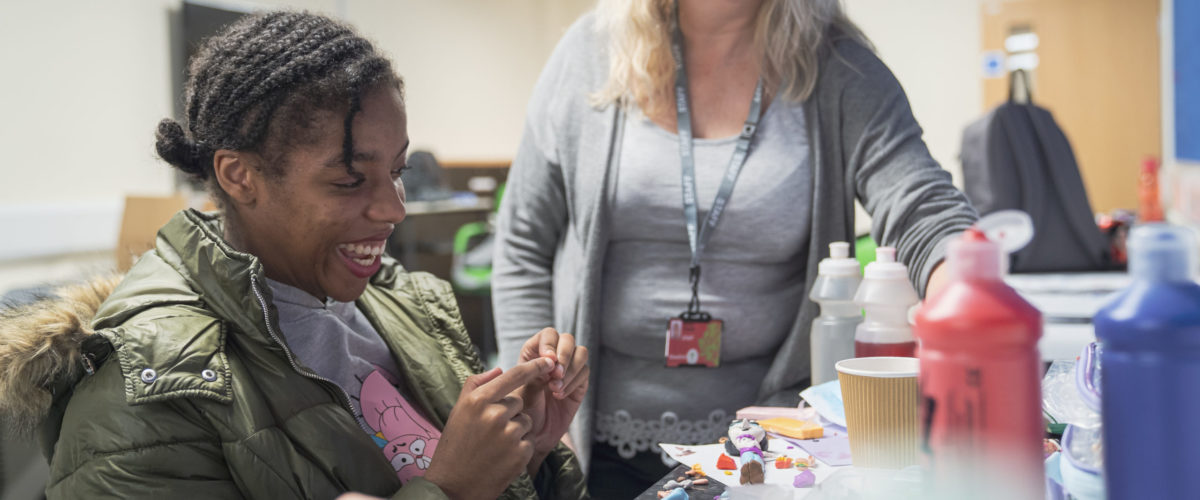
(1150, 370)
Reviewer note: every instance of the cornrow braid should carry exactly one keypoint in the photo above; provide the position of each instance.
(256, 85)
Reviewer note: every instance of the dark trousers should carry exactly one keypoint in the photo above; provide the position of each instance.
(611, 477)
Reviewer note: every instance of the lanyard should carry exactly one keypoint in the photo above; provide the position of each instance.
(698, 235)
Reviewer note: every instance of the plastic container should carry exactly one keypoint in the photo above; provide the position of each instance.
(1082, 465)
(1149, 205)
(1150, 333)
(832, 338)
(886, 296)
(981, 408)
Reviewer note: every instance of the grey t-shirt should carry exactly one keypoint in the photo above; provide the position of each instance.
(753, 278)
(337, 342)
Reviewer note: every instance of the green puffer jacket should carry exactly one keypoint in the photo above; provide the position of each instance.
(193, 393)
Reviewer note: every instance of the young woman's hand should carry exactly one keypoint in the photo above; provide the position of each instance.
(553, 400)
(487, 440)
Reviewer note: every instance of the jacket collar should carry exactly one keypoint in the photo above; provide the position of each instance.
(168, 319)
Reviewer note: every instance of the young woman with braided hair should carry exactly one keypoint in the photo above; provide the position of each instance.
(270, 350)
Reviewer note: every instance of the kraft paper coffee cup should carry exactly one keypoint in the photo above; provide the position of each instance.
(880, 395)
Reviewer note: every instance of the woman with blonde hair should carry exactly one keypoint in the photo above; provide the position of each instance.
(645, 102)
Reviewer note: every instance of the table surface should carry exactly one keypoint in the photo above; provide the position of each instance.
(706, 492)
(1067, 302)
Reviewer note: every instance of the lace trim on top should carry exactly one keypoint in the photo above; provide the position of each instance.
(631, 436)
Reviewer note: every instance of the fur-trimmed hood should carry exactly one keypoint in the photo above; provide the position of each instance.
(40, 345)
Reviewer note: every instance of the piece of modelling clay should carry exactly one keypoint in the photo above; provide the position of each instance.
(728, 473)
(783, 463)
(676, 494)
(790, 427)
(805, 479)
(752, 473)
(726, 463)
(806, 463)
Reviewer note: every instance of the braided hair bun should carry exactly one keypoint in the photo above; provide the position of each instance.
(174, 146)
(253, 87)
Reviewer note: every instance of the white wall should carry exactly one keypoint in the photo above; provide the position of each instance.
(469, 67)
(86, 82)
(84, 85)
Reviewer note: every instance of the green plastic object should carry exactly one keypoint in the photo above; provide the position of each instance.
(466, 279)
(470, 279)
(463, 236)
(864, 251)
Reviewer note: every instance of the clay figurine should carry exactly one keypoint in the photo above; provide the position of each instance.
(747, 440)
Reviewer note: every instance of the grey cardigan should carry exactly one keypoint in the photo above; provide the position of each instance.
(552, 230)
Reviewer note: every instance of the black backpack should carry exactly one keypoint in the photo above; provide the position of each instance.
(1016, 157)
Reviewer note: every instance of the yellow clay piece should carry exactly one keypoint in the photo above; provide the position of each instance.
(790, 427)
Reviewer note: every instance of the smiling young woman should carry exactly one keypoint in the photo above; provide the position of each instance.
(323, 225)
(272, 350)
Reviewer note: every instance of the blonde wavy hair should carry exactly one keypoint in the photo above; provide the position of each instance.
(788, 37)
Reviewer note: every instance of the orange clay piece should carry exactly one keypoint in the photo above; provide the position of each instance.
(783, 463)
(663, 494)
(726, 463)
(700, 482)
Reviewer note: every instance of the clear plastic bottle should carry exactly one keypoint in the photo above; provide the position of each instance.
(886, 295)
(832, 337)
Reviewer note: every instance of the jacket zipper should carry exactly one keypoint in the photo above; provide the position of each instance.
(345, 397)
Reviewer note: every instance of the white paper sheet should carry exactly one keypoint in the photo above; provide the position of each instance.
(707, 455)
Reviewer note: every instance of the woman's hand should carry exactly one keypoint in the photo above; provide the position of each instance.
(487, 440)
(553, 400)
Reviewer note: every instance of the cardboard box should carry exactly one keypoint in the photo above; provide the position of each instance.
(144, 215)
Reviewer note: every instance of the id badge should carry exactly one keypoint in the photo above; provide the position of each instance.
(694, 342)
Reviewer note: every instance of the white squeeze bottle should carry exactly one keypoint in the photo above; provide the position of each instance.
(833, 331)
(886, 296)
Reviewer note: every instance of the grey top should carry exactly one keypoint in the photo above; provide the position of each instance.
(753, 278)
(555, 221)
(338, 343)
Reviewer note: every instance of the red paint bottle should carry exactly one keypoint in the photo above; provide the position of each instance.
(981, 404)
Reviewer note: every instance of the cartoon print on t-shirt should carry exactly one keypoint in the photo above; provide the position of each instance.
(407, 439)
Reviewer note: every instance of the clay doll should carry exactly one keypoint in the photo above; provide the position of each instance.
(746, 441)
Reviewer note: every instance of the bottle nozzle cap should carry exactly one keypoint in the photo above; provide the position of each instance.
(839, 262)
(1160, 251)
(1011, 229)
(885, 266)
